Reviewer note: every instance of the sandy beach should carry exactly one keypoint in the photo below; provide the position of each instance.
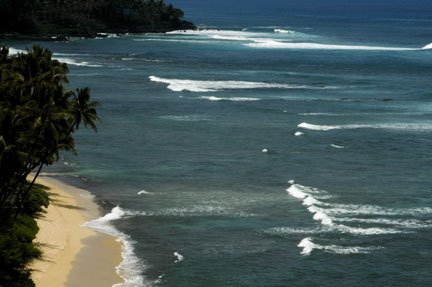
(73, 255)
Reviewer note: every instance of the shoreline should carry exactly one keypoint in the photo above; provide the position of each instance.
(73, 255)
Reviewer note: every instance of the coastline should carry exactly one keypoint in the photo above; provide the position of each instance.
(73, 255)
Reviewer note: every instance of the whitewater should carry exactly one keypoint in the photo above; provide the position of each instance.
(268, 148)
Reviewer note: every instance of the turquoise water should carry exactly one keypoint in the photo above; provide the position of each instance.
(213, 127)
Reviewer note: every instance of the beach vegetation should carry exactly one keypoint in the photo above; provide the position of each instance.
(89, 17)
(39, 113)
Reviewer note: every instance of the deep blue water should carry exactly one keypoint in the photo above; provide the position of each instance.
(338, 93)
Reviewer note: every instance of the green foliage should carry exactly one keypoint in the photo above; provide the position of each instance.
(38, 116)
(87, 17)
(37, 199)
(17, 249)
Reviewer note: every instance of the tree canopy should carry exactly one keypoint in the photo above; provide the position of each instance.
(39, 114)
(88, 17)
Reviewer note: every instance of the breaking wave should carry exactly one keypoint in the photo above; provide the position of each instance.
(76, 63)
(274, 44)
(13, 51)
(179, 257)
(185, 118)
(179, 85)
(131, 268)
(264, 40)
(393, 126)
(308, 246)
(233, 99)
(427, 47)
(337, 146)
(282, 31)
(332, 215)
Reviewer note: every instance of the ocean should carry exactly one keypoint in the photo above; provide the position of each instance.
(286, 143)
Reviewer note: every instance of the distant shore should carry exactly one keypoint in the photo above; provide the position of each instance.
(73, 255)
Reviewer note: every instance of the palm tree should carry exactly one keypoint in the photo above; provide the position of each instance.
(37, 118)
(83, 110)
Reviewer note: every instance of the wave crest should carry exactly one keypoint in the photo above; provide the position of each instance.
(179, 85)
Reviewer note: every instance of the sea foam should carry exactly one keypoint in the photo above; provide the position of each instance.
(274, 44)
(233, 99)
(179, 257)
(337, 146)
(332, 215)
(282, 31)
(13, 51)
(131, 268)
(427, 47)
(409, 127)
(69, 61)
(308, 246)
(179, 85)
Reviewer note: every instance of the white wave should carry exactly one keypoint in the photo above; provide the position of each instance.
(179, 85)
(298, 134)
(427, 47)
(185, 118)
(173, 40)
(75, 63)
(304, 193)
(319, 114)
(218, 33)
(192, 211)
(229, 38)
(329, 215)
(349, 250)
(337, 146)
(141, 59)
(282, 31)
(198, 210)
(296, 191)
(289, 230)
(313, 127)
(13, 51)
(353, 209)
(233, 99)
(401, 223)
(273, 44)
(144, 192)
(109, 35)
(324, 218)
(309, 200)
(301, 192)
(367, 230)
(131, 268)
(425, 126)
(179, 257)
(308, 246)
(264, 150)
